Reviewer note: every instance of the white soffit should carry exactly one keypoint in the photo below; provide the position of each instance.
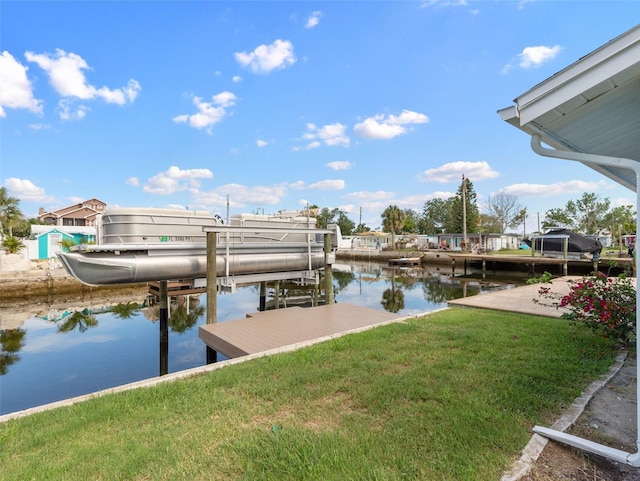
(592, 106)
(611, 65)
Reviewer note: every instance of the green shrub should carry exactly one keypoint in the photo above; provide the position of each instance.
(12, 244)
(605, 304)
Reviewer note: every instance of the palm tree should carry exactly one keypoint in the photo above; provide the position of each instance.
(393, 220)
(12, 244)
(9, 211)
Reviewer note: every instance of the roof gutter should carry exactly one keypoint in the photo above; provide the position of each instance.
(575, 441)
(536, 146)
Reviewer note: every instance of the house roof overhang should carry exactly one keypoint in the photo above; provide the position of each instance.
(591, 107)
(590, 112)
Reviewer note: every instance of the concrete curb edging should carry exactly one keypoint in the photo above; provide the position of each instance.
(537, 443)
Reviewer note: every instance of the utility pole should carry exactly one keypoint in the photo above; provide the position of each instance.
(464, 212)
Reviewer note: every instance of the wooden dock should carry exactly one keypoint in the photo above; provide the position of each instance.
(537, 263)
(279, 328)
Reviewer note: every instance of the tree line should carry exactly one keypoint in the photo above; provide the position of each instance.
(502, 213)
(588, 215)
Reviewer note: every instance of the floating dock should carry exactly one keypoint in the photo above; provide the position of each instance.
(405, 261)
(279, 328)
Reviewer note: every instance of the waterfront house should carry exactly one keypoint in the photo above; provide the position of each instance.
(83, 214)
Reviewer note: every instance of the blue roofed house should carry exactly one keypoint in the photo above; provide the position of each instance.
(45, 242)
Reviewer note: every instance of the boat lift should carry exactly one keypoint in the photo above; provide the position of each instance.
(228, 281)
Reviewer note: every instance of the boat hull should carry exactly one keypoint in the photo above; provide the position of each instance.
(126, 267)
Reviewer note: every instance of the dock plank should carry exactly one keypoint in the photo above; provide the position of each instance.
(267, 330)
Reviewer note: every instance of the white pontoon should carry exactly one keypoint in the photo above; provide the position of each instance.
(143, 245)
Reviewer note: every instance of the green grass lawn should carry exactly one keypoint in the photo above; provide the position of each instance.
(450, 396)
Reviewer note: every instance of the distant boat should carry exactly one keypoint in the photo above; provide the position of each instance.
(553, 242)
(144, 245)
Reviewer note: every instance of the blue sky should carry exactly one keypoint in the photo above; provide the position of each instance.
(274, 104)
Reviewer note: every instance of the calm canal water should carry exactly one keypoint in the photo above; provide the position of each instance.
(51, 353)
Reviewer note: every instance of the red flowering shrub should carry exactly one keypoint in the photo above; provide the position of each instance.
(605, 304)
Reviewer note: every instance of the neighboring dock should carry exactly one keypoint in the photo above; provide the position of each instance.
(537, 264)
(462, 262)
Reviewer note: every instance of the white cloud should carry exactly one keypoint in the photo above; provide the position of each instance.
(536, 56)
(448, 4)
(443, 3)
(40, 126)
(532, 57)
(68, 110)
(329, 184)
(297, 185)
(266, 58)
(133, 181)
(417, 201)
(620, 201)
(209, 113)
(332, 134)
(381, 127)
(236, 79)
(261, 143)
(548, 190)
(366, 196)
(175, 179)
(65, 71)
(26, 190)
(453, 171)
(15, 88)
(314, 19)
(522, 3)
(75, 200)
(340, 165)
(225, 99)
(242, 195)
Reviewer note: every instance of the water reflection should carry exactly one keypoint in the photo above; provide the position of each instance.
(11, 342)
(81, 320)
(184, 312)
(73, 346)
(393, 299)
(125, 310)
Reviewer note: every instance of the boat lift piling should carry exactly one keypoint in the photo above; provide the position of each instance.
(212, 287)
(328, 275)
(164, 329)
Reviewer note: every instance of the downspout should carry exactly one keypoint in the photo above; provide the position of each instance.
(536, 146)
